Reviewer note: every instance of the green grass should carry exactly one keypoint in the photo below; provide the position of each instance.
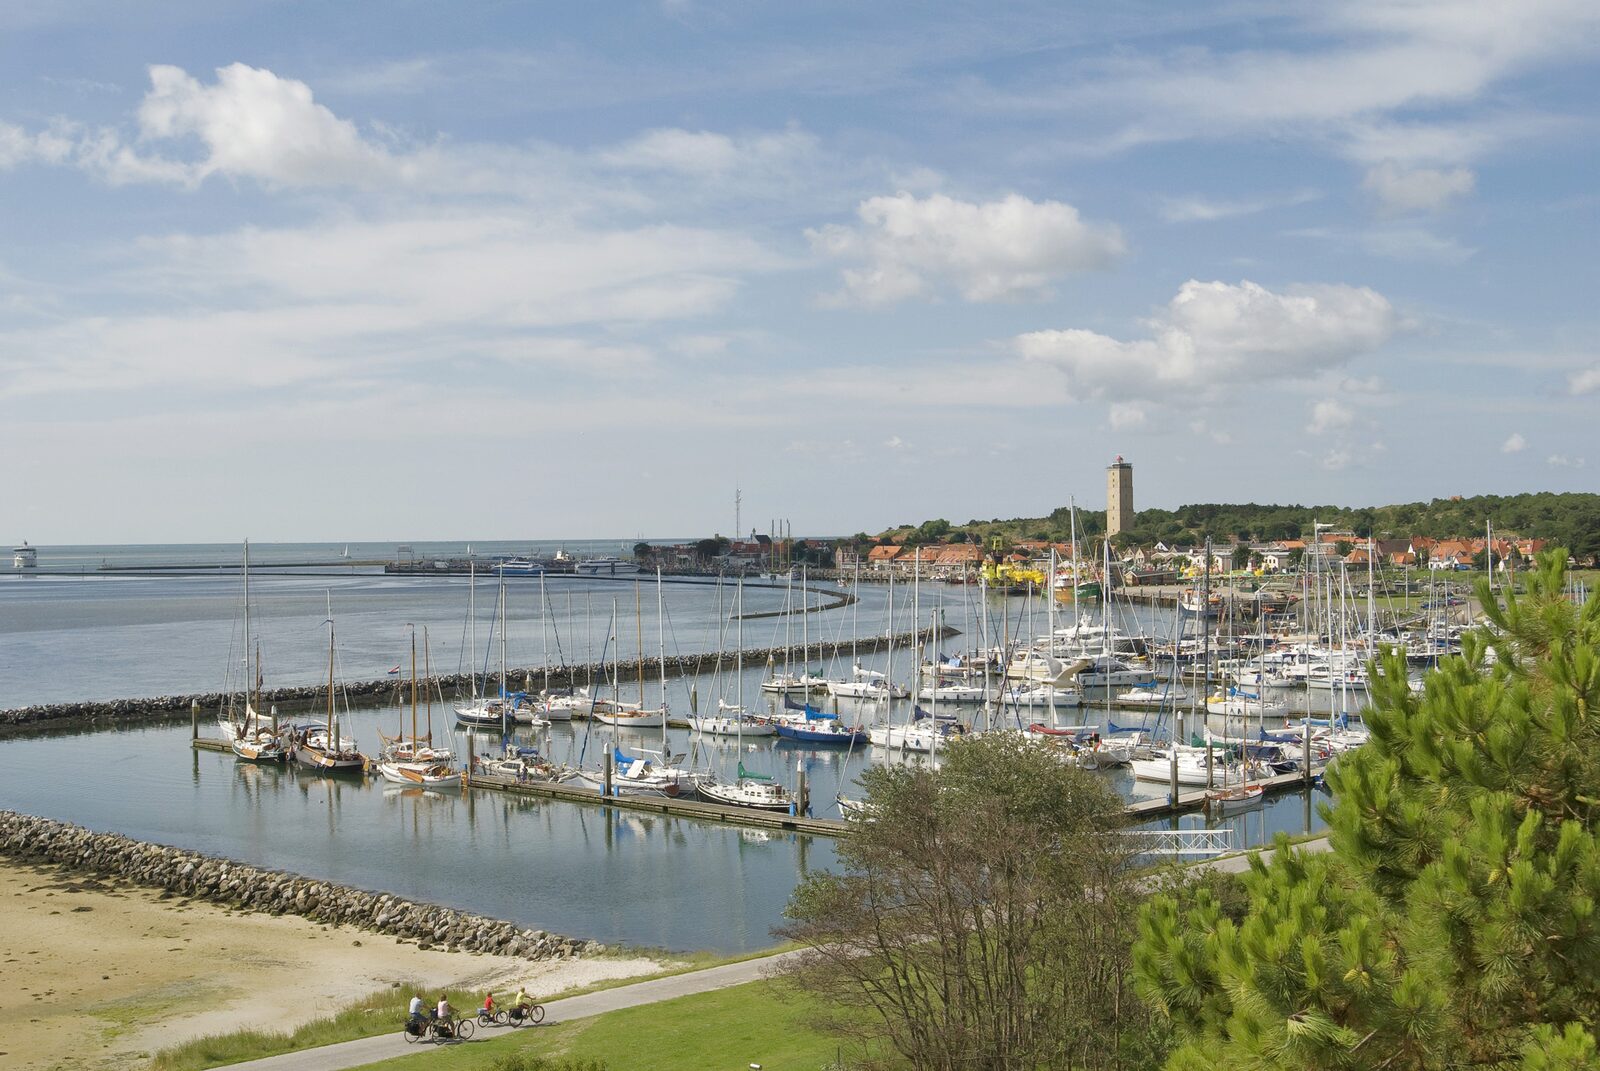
(382, 1011)
(764, 1023)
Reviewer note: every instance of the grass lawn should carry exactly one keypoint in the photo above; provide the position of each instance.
(762, 1023)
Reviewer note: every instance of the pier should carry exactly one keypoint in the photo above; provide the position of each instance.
(1137, 811)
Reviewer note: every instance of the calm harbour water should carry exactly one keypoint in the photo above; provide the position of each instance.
(608, 874)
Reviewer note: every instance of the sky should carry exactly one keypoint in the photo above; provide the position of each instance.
(309, 271)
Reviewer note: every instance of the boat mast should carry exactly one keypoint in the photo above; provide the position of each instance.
(427, 680)
(249, 666)
(413, 695)
(504, 701)
(544, 634)
(661, 658)
(472, 626)
(638, 646)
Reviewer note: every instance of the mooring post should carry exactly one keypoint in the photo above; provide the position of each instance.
(803, 796)
(194, 719)
(1211, 781)
(1305, 752)
(466, 775)
(608, 774)
(1172, 791)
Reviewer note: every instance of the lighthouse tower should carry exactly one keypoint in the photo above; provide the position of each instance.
(1119, 496)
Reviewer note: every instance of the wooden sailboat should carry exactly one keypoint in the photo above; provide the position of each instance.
(415, 761)
(323, 749)
(750, 790)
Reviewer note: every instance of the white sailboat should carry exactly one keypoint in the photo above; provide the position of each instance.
(254, 738)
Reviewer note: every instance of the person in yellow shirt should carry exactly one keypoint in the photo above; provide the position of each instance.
(521, 1001)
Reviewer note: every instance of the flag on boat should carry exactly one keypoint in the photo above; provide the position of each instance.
(395, 671)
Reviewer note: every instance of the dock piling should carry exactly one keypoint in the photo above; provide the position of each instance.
(194, 719)
(607, 792)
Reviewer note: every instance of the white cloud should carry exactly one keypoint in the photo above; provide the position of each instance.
(298, 305)
(1514, 444)
(1217, 334)
(1336, 459)
(1424, 189)
(1368, 79)
(1563, 461)
(707, 153)
(253, 124)
(995, 251)
(52, 146)
(1329, 415)
(1584, 381)
(1125, 416)
(1194, 208)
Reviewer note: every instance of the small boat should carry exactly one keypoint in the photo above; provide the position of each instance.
(756, 791)
(435, 775)
(630, 716)
(253, 738)
(867, 684)
(731, 720)
(1235, 799)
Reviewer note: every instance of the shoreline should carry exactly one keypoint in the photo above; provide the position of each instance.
(29, 839)
(100, 973)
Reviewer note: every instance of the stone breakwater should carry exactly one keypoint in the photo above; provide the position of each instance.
(374, 692)
(36, 840)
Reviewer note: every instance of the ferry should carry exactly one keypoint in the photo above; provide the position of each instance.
(24, 557)
(605, 567)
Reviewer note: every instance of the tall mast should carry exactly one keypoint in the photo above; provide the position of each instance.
(249, 665)
(503, 697)
(638, 629)
(333, 744)
(472, 625)
(544, 642)
(413, 692)
(661, 657)
(427, 679)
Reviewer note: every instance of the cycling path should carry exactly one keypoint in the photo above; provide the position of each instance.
(347, 1054)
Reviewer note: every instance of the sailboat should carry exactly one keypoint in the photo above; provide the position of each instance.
(634, 715)
(415, 761)
(750, 790)
(320, 747)
(731, 719)
(254, 738)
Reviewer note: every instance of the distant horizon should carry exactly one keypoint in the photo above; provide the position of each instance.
(339, 542)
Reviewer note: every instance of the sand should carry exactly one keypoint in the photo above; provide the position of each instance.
(99, 975)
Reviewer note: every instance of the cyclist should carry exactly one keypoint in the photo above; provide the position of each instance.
(444, 1016)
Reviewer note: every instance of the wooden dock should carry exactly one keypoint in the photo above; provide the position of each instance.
(1138, 811)
(708, 812)
(1195, 799)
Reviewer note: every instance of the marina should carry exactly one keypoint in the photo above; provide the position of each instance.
(643, 688)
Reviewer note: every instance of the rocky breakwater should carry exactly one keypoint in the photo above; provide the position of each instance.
(36, 840)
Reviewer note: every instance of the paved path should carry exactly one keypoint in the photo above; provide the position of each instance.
(349, 1054)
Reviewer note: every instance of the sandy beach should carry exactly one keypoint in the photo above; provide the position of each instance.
(99, 975)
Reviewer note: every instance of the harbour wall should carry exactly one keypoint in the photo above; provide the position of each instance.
(303, 699)
(34, 840)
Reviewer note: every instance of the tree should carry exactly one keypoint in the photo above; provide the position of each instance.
(1453, 925)
(983, 916)
(1241, 555)
(642, 551)
(1296, 556)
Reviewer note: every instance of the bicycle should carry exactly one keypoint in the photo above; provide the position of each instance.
(532, 1014)
(497, 1017)
(433, 1030)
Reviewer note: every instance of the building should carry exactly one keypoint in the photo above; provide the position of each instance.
(1119, 496)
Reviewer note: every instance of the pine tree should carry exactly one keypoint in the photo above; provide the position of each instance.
(1453, 925)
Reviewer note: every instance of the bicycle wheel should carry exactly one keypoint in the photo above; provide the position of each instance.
(465, 1028)
(501, 1018)
(536, 1014)
(412, 1037)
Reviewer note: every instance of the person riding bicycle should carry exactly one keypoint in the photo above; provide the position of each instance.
(444, 1015)
(488, 1005)
(521, 1002)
